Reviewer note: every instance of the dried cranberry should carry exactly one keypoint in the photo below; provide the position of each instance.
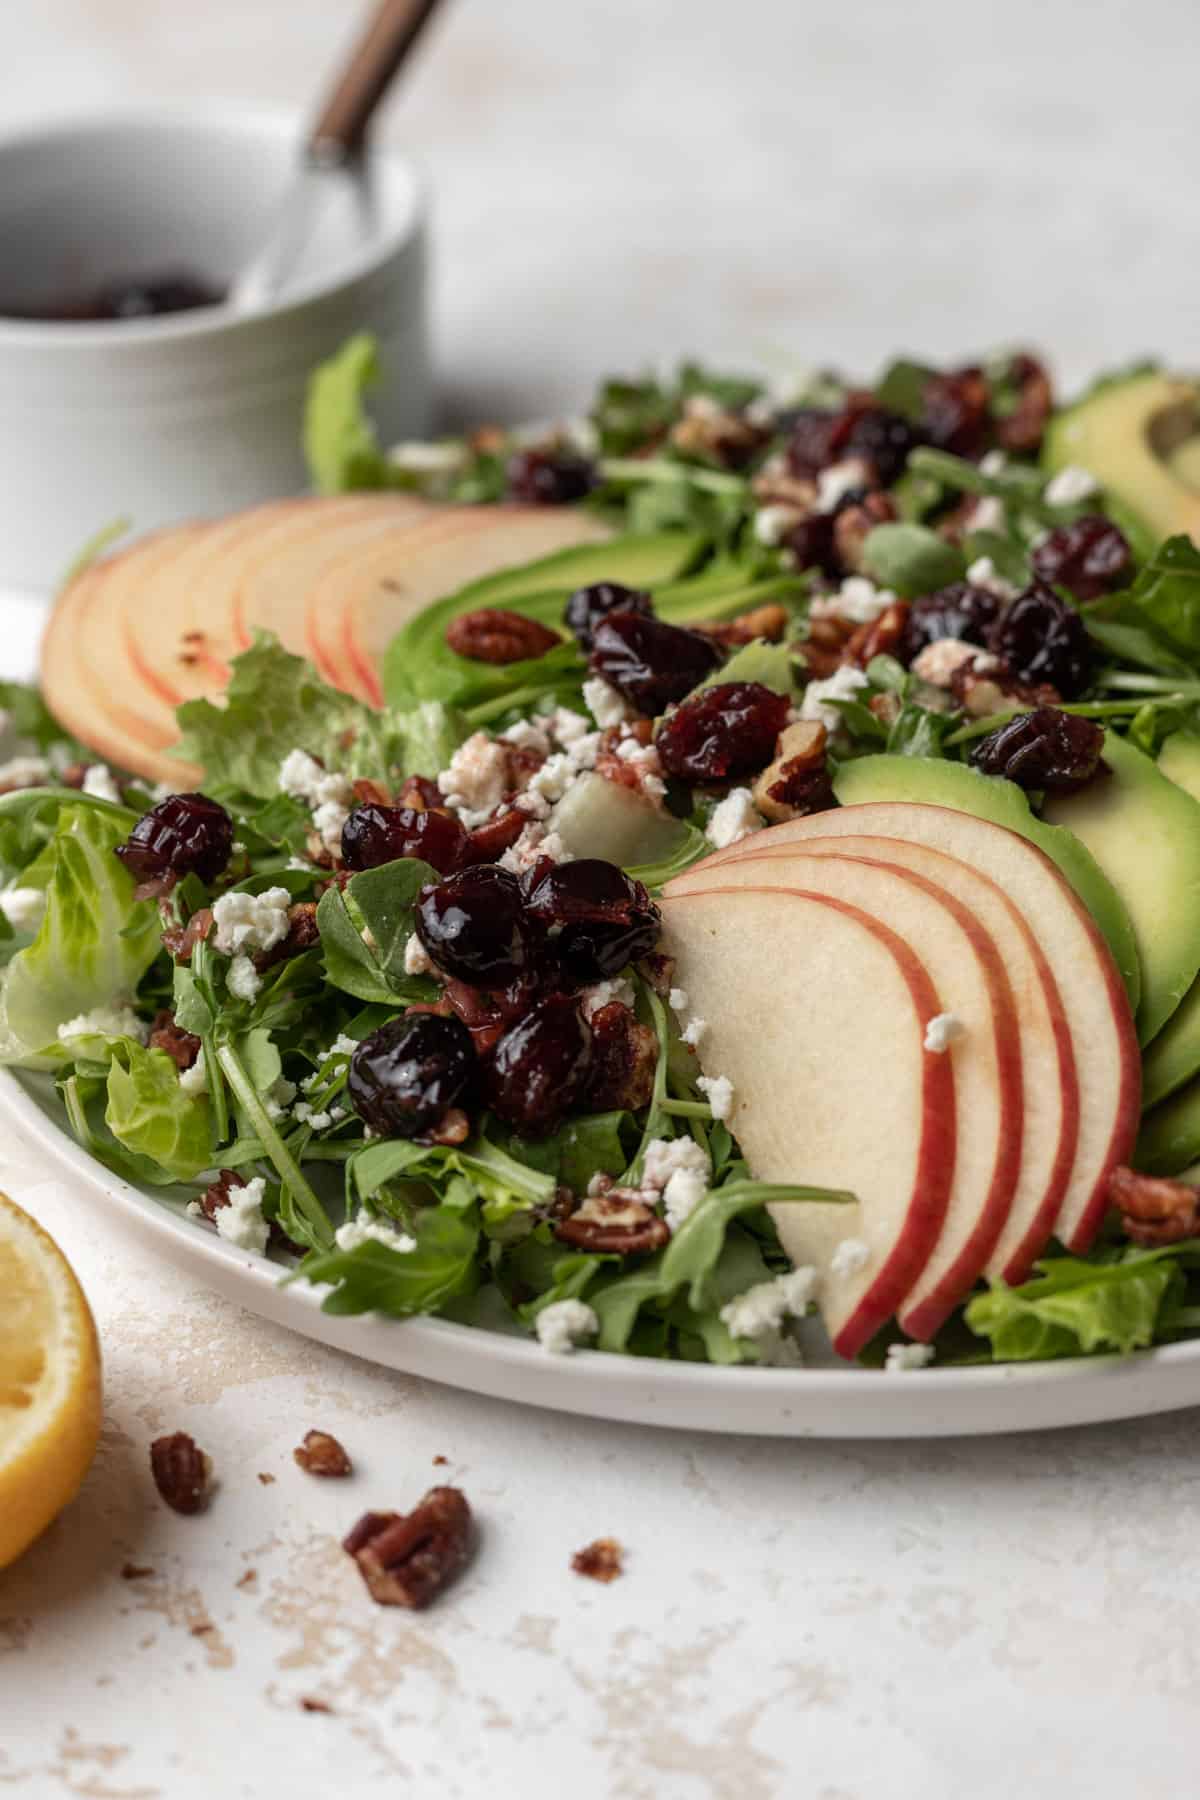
(1089, 557)
(955, 414)
(588, 605)
(596, 919)
(959, 611)
(1043, 749)
(373, 835)
(725, 731)
(549, 477)
(648, 662)
(404, 1076)
(811, 543)
(1043, 639)
(883, 439)
(538, 1067)
(185, 834)
(811, 433)
(473, 926)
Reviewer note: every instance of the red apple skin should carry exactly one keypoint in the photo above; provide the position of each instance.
(934, 1174)
(1083, 1217)
(1041, 1227)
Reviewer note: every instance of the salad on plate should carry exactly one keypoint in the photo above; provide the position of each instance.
(642, 883)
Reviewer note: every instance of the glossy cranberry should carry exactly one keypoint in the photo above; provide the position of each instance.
(404, 1076)
(375, 834)
(959, 611)
(588, 605)
(1046, 749)
(811, 543)
(185, 834)
(473, 926)
(883, 439)
(539, 1066)
(812, 432)
(724, 731)
(549, 477)
(648, 662)
(1043, 639)
(1089, 557)
(955, 414)
(596, 919)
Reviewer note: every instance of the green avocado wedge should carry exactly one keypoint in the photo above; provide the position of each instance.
(1131, 435)
(1144, 832)
(1169, 1141)
(1174, 1056)
(931, 782)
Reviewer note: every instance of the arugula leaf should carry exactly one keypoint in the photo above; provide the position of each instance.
(901, 387)
(365, 928)
(376, 1278)
(151, 1115)
(1166, 596)
(94, 943)
(1073, 1307)
(339, 439)
(31, 721)
(911, 559)
(499, 1179)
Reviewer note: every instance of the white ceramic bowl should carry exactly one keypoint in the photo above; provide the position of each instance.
(196, 412)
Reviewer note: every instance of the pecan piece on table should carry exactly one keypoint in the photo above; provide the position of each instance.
(599, 1561)
(406, 1559)
(491, 634)
(1154, 1209)
(182, 1472)
(618, 1222)
(322, 1454)
(181, 1046)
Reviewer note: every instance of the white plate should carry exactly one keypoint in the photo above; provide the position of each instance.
(837, 1402)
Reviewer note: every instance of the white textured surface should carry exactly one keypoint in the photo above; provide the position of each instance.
(615, 183)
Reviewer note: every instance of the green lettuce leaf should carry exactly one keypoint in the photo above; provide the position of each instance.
(1073, 1307)
(365, 928)
(339, 439)
(150, 1114)
(1166, 596)
(376, 1278)
(95, 941)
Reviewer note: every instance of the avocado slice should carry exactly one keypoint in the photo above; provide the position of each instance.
(1174, 1056)
(1133, 436)
(1169, 1141)
(1144, 832)
(928, 781)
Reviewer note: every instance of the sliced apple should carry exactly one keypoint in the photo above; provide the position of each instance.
(972, 983)
(1089, 983)
(832, 1083)
(1049, 1080)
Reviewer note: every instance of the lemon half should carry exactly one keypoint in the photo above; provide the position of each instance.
(49, 1381)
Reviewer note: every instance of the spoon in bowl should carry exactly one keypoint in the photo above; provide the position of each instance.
(333, 147)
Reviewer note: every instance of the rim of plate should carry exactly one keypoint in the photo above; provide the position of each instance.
(814, 1402)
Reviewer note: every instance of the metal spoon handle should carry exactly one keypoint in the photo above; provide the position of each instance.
(338, 133)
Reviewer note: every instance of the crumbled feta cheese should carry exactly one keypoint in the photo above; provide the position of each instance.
(562, 1324)
(843, 684)
(994, 463)
(772, 524)
(604, 993)
(329, 821)
(938, 661)
(534, 842)
(243, 981)
(372, 1231)
(343, 1045)
(567, 726)
(839, 479)
(251, 921)
(860, 600)
(553, 779)
(329, 797)
(316, 1121)
(476, 779)
(300, 775)
(904, 1357)
(98, 782)
(987, 514)
(106, 1021)
(529, 734)
(416, 958)
(241, 1223)
(533, 804)
(1070, 486)
(678, 1169)
(943, 1031)
(23, 907)
(682, 1195)
(761, 1312)
(644, 760)
(719, 1091)
(23, 772)
(604, 703)
(694, 1031)
(733, 819)
(677, 1000)
(194, 1081)
(984, 574)
(850, 1257)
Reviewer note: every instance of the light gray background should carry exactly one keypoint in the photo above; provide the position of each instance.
(616, 183)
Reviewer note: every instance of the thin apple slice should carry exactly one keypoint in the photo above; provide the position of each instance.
(1049, 1080)
(832, 1083)
(1102, 1031)
(968, 971)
